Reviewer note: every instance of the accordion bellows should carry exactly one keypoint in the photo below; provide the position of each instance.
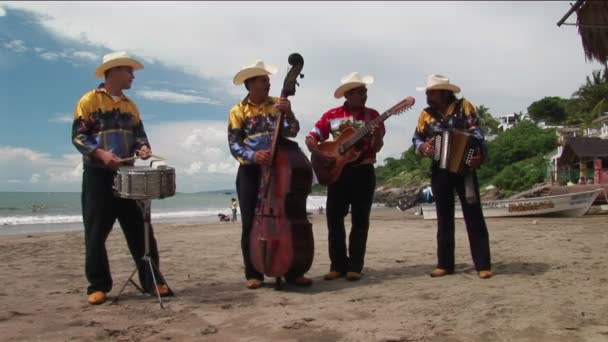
(454, 150)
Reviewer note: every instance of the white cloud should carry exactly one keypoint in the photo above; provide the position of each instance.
(85, 55)
(16, 45)
(25, 166)
(50, 56)
(62, 119)
(2, 11)
(173, 97)
(198, 150)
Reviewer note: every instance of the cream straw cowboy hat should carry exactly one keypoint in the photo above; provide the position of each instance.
(115, 59)
(437, 82)
(351, 81)
(258, 68)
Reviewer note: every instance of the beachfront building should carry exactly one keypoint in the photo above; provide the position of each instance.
(581, 157)
(507, 121)
(582, 153)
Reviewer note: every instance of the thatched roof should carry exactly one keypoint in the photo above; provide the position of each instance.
(592, 22)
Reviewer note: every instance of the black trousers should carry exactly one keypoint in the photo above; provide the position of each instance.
(100, 209)
(354, 188)
(247, 186)
(444, 184)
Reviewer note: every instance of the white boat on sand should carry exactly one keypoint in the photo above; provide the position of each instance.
(570, 205)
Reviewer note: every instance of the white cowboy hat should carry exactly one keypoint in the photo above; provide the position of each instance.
(258, 68)
(436, 81)
(351, 81)
(115, 59)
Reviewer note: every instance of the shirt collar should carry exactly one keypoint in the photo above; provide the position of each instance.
(347, 110)
(101, 89)
(269, 100)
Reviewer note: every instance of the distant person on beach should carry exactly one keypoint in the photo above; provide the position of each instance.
(356, 184)
(446, 111)
(223, 217)
(233, 205)
(107, 127)
(250, 128)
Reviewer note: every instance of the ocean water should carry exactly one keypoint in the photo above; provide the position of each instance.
(28, 212)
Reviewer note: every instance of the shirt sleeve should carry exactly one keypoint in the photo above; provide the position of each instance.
(139, 133)
(236, 136)
(472, 120)
(82, 128)
(473, 127)
(419, 133)
(321, 129)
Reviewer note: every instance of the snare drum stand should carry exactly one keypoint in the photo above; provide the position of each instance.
(144, 205)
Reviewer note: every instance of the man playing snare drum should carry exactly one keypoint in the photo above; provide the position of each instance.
(445, 111)
(107, 128)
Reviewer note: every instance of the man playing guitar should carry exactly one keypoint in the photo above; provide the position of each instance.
(356, 184)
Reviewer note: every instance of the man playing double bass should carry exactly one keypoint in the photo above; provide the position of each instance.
(250, 128)
(356, 184)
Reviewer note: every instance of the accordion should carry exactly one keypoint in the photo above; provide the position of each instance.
(454, 149)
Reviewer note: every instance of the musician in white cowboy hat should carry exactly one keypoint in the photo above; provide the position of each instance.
(356, 184)
(250, 129)
(445, 112)
(107, 128)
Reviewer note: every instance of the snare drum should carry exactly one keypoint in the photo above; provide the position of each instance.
(145, 182)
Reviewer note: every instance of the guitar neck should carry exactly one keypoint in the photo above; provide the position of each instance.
(363, 131)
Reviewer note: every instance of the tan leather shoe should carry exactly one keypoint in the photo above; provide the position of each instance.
(333, 275)
(163, 290)
(485, 274)
(440, 272)
(97, 297)
(300, 281)
(353, 276)
(253, 284)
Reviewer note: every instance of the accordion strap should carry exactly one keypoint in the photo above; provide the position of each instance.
(440, 119)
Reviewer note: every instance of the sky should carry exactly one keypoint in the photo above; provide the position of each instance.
(504, 55)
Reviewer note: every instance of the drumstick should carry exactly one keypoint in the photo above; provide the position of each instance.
(127, 159)
(136, 157)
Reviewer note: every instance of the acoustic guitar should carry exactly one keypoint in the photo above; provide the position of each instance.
(342, 148)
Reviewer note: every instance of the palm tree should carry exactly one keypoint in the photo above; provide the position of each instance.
(589, 101)
(486, 121)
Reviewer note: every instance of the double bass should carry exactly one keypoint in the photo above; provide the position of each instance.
(281, 240)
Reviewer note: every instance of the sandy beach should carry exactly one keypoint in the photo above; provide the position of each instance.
(550, 284)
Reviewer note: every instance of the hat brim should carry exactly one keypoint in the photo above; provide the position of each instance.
(364, 81)
(248, 73)
(451, 87)
(136, 65)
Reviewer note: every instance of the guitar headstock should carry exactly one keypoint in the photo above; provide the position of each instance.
(402, 106)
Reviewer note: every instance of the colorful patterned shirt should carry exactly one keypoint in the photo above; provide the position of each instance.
(251, 126)
(461, 115)
(112, 125)
(335, 120)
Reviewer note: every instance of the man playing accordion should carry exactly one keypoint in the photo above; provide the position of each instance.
(446, 113)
